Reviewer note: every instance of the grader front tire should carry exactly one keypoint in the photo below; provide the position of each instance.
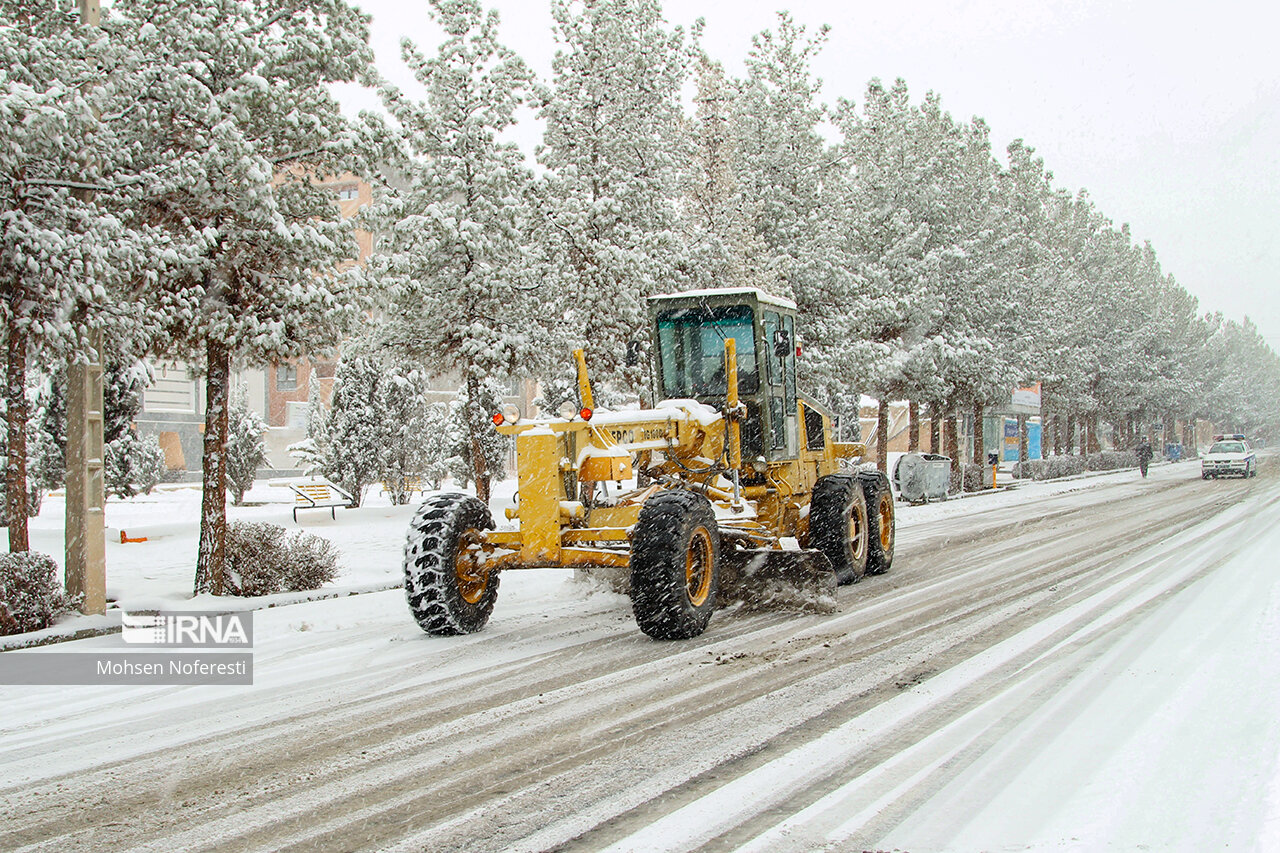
(838, 525)
(675, 563)
(448, 588)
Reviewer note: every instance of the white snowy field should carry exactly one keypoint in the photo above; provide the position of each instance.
(1082, 665)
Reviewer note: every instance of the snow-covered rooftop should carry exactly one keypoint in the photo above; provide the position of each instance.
(760, 295)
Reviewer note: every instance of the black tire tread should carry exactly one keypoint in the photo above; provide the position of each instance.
(430, 583)
(658, 544)
(874, 486)
(829, 522)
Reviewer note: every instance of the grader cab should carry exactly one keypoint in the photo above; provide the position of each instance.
(732, 487)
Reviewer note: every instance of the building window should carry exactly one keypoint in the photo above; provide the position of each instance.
(286, 377)
(298, 415)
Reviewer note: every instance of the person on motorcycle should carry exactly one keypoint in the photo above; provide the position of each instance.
(1144, 456)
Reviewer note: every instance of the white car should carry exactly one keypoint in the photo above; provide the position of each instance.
(1230, 454)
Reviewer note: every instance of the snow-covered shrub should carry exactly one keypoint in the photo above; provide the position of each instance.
(31, 595)
(1049, 469)
(312, 562)
(246, 446)
(262, 559)
(134, 464)
(977, 477)
(256, 553)
(1111, 460)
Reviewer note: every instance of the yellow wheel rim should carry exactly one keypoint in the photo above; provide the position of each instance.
(473, 578)
(699, 565)
(886, 521)
(857, 534)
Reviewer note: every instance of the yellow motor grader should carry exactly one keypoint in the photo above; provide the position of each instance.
(731, 487)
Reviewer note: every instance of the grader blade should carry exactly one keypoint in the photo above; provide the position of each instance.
(767, 579)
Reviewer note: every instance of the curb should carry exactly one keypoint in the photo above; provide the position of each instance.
(51, 636)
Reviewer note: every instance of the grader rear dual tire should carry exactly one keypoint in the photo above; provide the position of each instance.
(881, 522)
(448, 588)
(675, 565)
(838, 525)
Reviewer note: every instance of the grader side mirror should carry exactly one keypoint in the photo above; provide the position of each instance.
(781, 344)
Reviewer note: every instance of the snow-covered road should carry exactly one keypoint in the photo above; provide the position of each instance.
(1043, 669)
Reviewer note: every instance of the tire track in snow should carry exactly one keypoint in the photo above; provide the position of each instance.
(614, 708)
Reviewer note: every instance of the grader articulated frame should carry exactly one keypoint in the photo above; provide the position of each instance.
(739, 489)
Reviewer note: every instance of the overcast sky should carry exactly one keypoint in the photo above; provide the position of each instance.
(1167, 111)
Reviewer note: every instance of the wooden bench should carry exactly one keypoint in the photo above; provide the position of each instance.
(318, 494)
(411, 485)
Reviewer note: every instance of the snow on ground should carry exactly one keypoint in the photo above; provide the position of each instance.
(159, 572)
(1102, 765)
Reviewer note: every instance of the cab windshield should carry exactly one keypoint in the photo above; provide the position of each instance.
(692, 345)
(1227, 447)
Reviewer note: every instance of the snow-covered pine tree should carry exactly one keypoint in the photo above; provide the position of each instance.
(309, 453)
(354, 427)
(133, 465)
(784, 159)
(35, 452)
(246, 445)
(791, 182)
(402, 404)
(234, 123)
(437, 446)
(56, 246)
(122, 385)
(724, 249)
(614, 150)
(491, 447)
(451, 243)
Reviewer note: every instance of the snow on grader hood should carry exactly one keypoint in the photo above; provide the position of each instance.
(731, 488)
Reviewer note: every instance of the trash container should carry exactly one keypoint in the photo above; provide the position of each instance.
(923, 477)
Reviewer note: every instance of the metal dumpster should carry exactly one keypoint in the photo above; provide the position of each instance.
(923, 477)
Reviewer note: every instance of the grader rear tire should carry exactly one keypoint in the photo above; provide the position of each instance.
(881, 523)
(675, 564)
(445, 581)
(838, 525)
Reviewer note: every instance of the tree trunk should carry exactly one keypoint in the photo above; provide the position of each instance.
(16, 472)
(953, 450)
(979, 444)
(935, 429)
(1023, 450)
(913, 428)
(212, 558)
(479, 465)
(882, 435)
